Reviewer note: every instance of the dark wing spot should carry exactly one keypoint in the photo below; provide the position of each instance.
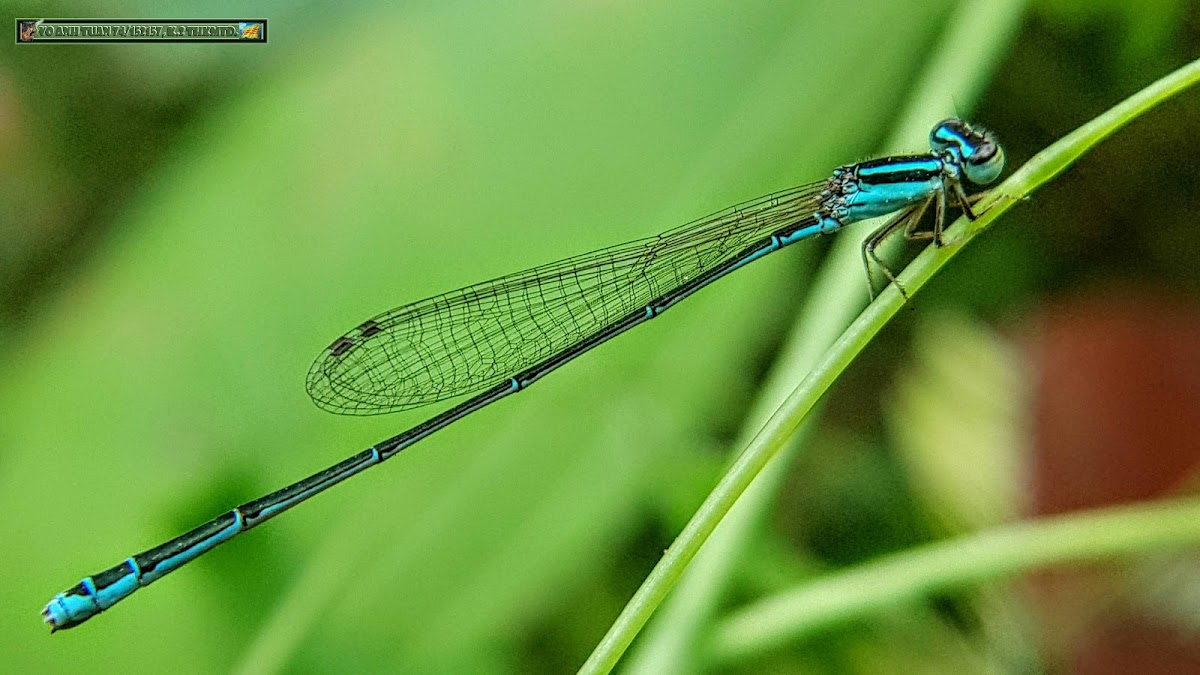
(340, 346)
(369, 328)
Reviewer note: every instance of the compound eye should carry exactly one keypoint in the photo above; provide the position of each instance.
(951, 133)
(979, 156)
(983, 153)
(985, 163)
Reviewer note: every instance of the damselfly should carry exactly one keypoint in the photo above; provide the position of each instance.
(498, 337)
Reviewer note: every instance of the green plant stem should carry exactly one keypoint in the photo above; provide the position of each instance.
(957, 70)
(1044, 166)
(998, 553)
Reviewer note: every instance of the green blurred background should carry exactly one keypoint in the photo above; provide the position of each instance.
(185, 227)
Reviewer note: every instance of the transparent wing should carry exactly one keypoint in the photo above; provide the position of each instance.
(476, 337)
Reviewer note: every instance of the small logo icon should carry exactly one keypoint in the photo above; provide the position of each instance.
(27, 29)
(250, 31)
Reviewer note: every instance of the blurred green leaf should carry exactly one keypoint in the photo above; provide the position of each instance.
(958, 415)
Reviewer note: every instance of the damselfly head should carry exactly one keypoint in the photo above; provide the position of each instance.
(975, 151)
